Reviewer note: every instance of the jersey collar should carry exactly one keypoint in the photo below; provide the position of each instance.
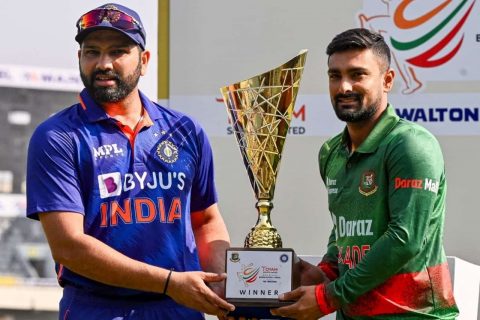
(95, 113)
(385, 124)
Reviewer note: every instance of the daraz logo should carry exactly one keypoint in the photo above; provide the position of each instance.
(422, 34)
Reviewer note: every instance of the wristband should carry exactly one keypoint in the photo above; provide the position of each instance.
(167, 281)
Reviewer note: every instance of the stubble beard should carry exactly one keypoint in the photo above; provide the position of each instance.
(357, 114)
(111, 94)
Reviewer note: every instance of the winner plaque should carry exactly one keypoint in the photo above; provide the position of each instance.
(260, 110)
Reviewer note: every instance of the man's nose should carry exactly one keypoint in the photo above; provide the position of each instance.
(345, 86)
(105, 62)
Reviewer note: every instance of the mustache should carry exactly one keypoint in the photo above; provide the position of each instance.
(110, 74)
(353, 95)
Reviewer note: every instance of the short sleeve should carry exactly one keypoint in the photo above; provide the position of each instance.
(203, 188)
(52, 176)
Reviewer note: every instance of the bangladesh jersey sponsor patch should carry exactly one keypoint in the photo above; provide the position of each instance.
(368, 184)
(425, 184)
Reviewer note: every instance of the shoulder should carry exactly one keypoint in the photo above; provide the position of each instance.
(173, 117)
(330, 145)
(412, 135)
(327, 149)
(58, 128)
(410, 143)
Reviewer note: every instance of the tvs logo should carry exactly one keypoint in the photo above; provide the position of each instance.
(110, 184)
(248, 274)
(368, 185)
(422, 34)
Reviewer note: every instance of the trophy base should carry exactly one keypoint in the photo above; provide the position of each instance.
(255, 278)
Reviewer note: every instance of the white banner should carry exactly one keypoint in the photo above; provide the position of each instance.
(54, 79)
(442, 114)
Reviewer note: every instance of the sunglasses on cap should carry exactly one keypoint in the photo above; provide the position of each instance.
(115, 18)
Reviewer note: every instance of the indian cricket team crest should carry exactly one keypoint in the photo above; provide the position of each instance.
(167, 151)
(368, 184)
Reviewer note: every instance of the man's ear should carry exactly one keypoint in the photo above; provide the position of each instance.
(388, 78)
(145, 58)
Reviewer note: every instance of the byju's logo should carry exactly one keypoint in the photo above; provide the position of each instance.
(110, 184)
(107, 150)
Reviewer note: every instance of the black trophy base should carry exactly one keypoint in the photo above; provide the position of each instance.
(258, 309)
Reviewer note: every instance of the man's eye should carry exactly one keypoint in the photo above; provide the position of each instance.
(118, 52)
(358, 74)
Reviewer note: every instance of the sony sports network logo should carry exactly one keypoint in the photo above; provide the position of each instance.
(430, 39)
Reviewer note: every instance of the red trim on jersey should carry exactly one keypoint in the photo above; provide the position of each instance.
(59, 274)
(322, 302)
(407, 292)
(330, 270)
(84, 106)
(145, 121)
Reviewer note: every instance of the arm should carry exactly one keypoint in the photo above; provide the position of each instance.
(212, 238)
(92, 258)
(84, 254)
(329, 263)
(212, 241)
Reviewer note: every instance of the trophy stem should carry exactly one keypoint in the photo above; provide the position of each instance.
(263, 234)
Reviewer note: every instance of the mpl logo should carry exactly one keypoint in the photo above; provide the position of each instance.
(430, 39)
(107, 150)
(110, 184)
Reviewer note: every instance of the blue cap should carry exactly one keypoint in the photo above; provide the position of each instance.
(102, 18)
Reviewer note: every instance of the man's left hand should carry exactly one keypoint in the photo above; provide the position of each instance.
(305, 306)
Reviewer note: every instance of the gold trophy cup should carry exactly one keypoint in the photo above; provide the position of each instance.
(260, 110)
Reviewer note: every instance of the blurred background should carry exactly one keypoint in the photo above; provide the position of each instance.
(200, 46)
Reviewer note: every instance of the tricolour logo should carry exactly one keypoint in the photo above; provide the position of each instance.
(248, 274)
(424, 35)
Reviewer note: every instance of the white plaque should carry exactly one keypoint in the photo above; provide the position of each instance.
(258, 274)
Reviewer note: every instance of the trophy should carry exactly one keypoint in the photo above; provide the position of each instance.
(260, 110)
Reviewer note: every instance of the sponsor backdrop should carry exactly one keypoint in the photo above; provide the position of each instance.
(435, 47)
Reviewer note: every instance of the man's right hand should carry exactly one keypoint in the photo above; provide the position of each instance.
(311, 274)
(190, 289)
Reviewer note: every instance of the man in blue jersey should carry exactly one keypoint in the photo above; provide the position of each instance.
(124, 190)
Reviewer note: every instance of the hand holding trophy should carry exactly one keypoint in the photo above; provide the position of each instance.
(260, 109)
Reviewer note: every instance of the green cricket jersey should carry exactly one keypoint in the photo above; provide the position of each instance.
(387, 202)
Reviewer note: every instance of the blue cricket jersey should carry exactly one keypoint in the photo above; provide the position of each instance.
(135, 189)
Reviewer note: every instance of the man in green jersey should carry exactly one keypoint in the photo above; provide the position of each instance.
(386, 189)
